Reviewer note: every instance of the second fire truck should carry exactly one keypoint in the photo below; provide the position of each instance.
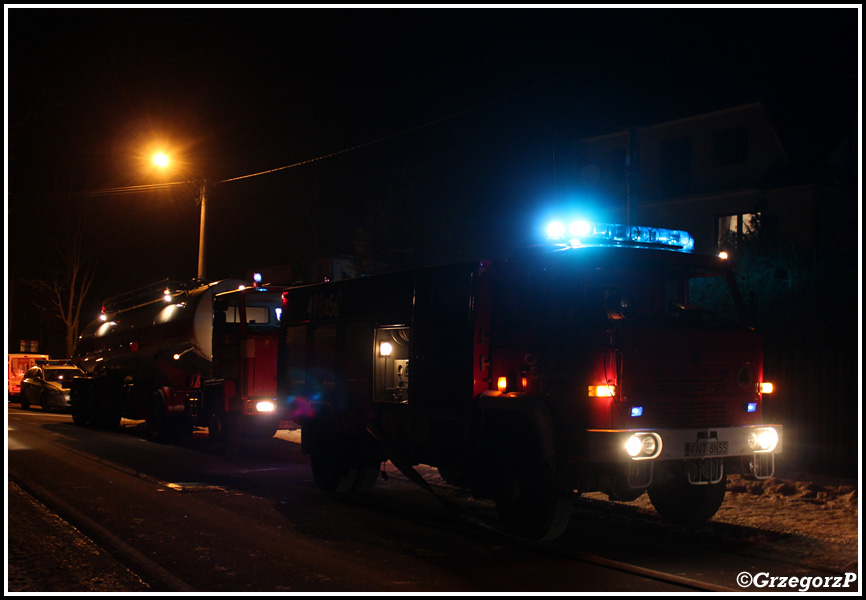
(183, 355)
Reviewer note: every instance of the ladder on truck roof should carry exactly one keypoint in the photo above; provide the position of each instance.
(145, 295)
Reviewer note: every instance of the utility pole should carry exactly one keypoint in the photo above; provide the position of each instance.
(202, 236)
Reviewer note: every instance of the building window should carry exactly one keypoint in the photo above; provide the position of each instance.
(676, 166)
(730, 147)
(732, 228)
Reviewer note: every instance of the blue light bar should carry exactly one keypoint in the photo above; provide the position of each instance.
(585, 233)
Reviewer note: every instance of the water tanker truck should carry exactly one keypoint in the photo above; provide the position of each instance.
(183, 355)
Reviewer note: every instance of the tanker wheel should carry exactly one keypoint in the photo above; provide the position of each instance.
(681, 503)
(224, 430)
(157, 419)
(107, 419)
(264, 430)
(81, 407)
(216, 427)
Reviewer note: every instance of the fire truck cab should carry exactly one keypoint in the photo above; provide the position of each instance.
(612, 359)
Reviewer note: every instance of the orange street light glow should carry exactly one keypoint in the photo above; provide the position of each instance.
(160, 159)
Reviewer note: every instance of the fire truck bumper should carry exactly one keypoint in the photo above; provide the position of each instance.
(624, 445)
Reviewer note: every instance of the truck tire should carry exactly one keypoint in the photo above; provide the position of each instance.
(528, 503)
(264, 430)
(224, 431)
(107, 419)
(365, 479)
(157, 420)
(216, 428)
(82, 401)
(531, 507)
(681, 503)
(330, 461)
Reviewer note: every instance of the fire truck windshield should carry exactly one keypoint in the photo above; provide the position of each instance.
(639, 289)
(260, 311)
(658, 295)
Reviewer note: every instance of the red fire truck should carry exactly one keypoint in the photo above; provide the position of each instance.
(184, 355)
(611, 359)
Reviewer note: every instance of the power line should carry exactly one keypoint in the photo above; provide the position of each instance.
(151, 187)
(129, 189)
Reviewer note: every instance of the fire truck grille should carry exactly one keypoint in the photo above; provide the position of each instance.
(678, 401)
(692, 387)
(696, 413)
(679, 387)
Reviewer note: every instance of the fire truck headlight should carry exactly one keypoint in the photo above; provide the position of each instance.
(642, 446)
(266, 406)
(763, 440)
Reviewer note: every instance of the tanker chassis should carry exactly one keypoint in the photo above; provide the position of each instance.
(618, 362)
(180, 356)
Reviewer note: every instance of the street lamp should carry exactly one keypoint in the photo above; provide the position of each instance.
(161, 160)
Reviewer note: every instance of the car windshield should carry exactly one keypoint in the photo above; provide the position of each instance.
(62, 376)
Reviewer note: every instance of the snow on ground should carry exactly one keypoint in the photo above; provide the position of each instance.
(812, 519)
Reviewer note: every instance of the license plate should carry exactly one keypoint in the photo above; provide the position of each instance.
(706, 448)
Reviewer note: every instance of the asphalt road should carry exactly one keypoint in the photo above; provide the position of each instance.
(136, 515)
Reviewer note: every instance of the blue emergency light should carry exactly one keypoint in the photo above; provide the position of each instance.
(585, 233)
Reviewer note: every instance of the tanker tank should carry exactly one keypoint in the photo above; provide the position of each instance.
(161, 332)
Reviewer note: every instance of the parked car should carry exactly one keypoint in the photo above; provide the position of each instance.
(48, 386)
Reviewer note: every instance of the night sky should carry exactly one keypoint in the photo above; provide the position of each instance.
(444, 127)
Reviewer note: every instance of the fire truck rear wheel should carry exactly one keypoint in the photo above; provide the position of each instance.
(679, 502)
(330, 459)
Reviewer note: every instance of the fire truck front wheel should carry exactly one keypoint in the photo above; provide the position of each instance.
(526, 497)
(682, 503)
